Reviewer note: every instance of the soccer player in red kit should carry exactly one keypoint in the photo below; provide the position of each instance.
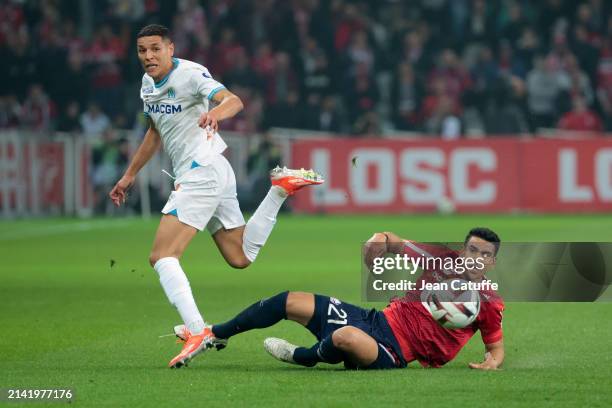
(431, 344)
(369, 339)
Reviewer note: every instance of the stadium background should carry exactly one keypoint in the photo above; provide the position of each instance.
(431, 106)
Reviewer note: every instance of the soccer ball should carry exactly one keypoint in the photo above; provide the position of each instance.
(452, 309)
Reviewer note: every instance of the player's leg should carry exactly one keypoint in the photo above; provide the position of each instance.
(358, 347)
(240, 244)
(171, 240)
(296, 306)
(229, 242)
(349, 344)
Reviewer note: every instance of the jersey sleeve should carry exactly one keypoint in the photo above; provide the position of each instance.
(490, 321)
(204, 84)
(145, 90)
(416, 249)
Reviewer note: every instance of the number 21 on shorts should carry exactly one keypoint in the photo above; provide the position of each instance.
(336, 315)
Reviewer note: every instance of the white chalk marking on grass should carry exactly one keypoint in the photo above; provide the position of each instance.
(46, 230)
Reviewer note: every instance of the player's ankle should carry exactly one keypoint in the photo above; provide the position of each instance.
(280, 191)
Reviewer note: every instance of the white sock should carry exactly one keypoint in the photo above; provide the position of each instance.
(260, 225)
(178, 291)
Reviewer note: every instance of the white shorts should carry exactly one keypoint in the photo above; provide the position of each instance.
(205, 196)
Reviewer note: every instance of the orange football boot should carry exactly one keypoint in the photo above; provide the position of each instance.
(292, 180)
(194, 345)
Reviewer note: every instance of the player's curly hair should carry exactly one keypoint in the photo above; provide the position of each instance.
(486, 234)
(154, 29)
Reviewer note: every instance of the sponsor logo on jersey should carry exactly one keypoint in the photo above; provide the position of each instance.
(164, 108)
(334, 301)
(206, 74)
(147, 90)
(171, 93)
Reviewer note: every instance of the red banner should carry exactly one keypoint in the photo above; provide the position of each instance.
(498, 175)
(33, 174)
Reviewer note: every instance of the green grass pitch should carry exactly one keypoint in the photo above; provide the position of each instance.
(70, 320)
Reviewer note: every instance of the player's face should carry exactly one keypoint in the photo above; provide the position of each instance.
(155, 55)
(483, 254)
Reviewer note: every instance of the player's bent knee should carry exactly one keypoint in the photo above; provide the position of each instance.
(239, 262)
(345, 338)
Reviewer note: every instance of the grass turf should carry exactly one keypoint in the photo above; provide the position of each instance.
(69, 319)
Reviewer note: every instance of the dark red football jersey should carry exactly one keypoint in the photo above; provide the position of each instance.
(419, 335)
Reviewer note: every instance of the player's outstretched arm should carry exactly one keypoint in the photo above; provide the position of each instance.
(494, 357)
(150, 144)
(228, 106)
(380, 244)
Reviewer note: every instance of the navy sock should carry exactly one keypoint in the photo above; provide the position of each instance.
(324, 351)
(261, 314)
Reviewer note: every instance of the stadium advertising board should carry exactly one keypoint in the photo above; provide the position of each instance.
(500, 175)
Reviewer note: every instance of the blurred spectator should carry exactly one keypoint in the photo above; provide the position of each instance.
(315, 69)
(580, 84)
(349, 22)
(69, 120)
(415, 52)
(528, 47)
(543, 86)
(329, 118)
(586, 51)
(485, 73)
(264, 62)
(73, 82)
(224, 51)
(281, 81)
(240, 72)
(361, 93)
(480, 26)
(604, 74)
(368, 124)
(109, 158)
(444, 120)
(106, 54)
(287, 113)
(452, 73)
(94, 122)
(10, 112)
(406, 96)
(503, 112)
(438, 102)
(580, 118)
(37, 110)
(360, 53)
(513, 22)
(19, 63)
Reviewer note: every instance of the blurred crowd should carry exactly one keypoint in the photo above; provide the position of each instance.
(363, 67)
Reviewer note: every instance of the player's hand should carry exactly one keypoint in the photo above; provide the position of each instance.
(208, 120)
(488, 364)
(376, 247)
(119, 193)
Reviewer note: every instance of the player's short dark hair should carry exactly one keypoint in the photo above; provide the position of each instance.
(486, 234)
(154, 29)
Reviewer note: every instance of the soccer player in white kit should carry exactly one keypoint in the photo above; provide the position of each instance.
(177, 95)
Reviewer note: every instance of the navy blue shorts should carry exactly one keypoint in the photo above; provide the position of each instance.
(331, 314)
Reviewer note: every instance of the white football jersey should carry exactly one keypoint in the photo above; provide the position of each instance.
(175, 104)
